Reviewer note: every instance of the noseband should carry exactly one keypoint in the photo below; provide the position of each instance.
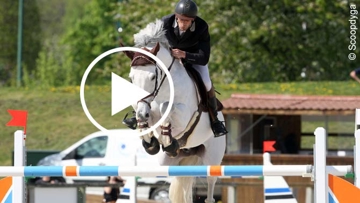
(143, 60)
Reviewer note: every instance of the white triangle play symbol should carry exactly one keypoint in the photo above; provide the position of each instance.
(124, 94)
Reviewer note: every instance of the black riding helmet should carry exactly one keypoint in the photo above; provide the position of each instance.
(187, 8)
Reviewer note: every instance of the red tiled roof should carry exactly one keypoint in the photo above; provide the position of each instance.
(291, 103)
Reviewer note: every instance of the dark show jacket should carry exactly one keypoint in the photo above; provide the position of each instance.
(195, 41)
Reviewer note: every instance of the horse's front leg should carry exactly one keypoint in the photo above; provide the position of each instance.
(149, 141)
(173, 125)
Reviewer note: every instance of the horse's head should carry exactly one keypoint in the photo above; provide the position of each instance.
(148, 75)
(145, 72)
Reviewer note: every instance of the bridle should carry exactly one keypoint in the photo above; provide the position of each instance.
(141, 59)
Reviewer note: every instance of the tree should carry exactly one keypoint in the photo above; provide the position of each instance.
(277, 41)
(256, 41)
(8, 13)
(8, 38)
(89, 36)
(54, 66)
(252, 41)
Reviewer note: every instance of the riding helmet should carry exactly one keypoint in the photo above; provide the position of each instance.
(187, 8)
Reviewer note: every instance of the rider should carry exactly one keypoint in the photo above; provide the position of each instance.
(189, 37)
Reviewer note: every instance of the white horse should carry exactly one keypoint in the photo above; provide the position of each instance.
(185, 136)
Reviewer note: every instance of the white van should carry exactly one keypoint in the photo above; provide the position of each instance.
(120, 147)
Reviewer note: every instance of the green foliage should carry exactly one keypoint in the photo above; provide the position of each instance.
(55, 63)
(91, 35)
(251, 40)
(53, 69)
(31, 29)
(9, 38)
(8, 13)
(136, 14)
(48, 69)
(51, 18)
(291, 88)
(277, 41)
(75, 35)
(132, 17)
(263, 41)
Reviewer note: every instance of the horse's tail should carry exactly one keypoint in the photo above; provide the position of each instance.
(181, 188)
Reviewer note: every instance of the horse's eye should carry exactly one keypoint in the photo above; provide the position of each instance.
(152, 77)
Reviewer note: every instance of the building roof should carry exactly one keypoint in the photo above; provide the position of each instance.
(290, 104)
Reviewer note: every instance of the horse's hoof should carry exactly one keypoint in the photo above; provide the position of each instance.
(153, 147)
(172, 149)
(171, 154)
(210, 201)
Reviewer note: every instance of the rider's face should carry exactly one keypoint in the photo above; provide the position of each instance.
(184, 22)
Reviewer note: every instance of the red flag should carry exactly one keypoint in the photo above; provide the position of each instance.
(18, 119)
(268, 146)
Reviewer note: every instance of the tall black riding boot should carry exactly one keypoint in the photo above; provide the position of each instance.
(217, 126)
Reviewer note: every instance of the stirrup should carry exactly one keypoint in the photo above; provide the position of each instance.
(218, 128)
(130, 122)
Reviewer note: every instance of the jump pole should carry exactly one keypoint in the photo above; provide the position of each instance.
(159, 171)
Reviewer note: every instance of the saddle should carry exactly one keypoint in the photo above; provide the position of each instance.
(200, 86)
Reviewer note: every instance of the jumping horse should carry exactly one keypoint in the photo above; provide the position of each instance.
(185, 136)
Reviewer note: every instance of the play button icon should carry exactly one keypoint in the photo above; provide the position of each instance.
(124, 94)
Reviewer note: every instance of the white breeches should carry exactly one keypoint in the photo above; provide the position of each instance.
(204, 72)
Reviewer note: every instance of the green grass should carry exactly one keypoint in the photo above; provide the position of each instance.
(298, 88)
(335, 142)
(339, 143)
(56, 118)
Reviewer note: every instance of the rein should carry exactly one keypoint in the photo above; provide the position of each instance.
(146, 60)
(169, 68)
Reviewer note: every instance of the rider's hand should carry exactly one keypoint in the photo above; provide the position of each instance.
(177, 53)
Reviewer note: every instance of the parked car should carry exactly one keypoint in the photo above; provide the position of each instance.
(120, 147)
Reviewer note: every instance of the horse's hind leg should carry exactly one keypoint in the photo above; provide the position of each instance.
(213, 154)
(210, 190)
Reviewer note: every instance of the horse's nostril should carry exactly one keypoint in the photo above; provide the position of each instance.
(147, 115)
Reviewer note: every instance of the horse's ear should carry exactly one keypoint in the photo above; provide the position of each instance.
(155, 49)
(129, 54)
